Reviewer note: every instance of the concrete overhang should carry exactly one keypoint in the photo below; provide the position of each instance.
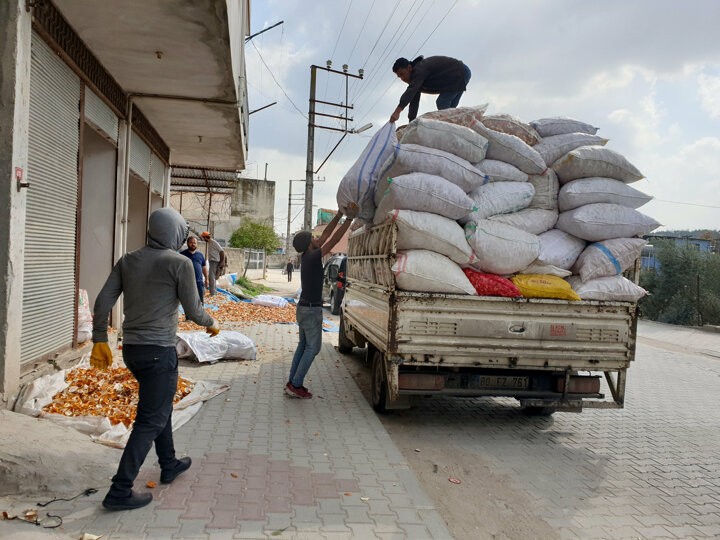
(183, 62)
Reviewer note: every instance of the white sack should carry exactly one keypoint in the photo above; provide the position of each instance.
(600, 221)
(410, 158)
(499, 248)
(453, 138)
(612, 288)
(228, 345)
(358, 185)
(599, 190)
(559, 248)
(558, 125)
(499, 171)
(553, 148)
(269, 300)
(424, 193)
(532, 220)
(426, 271)
(511, 149)
(546, 190)
(422, 230)
(500, 198)
(608, 258)
(545, 269)
(589, 161)
(511, 125)
(85, 320)
(462, 116)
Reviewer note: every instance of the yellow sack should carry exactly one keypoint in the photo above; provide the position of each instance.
(544, 286)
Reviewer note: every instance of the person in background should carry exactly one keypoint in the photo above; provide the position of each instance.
(289, 269)
(152, 280)
(199, 264)
(309, 312)
(441, 75)
(216, 256)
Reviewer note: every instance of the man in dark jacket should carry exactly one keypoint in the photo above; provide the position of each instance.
(152, 279)
(441, 75)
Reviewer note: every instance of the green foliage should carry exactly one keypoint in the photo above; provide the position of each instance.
(685, 290)
(254, 235)
(245, 288)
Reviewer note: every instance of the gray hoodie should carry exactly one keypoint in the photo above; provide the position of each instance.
(152, 279)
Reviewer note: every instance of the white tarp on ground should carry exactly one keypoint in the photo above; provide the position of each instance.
(40, 392)
(227, 345)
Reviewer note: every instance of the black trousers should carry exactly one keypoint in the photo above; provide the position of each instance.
(156, 370)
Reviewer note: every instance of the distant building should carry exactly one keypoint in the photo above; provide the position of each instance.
(649, 256)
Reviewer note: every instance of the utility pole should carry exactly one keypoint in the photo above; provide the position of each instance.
(289, 216)
(307, 222)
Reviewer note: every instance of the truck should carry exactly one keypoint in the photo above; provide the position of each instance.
(548, 354)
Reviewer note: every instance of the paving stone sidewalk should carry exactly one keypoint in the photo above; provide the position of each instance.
(269, 466)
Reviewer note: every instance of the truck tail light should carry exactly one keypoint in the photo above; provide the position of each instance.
(339, 284)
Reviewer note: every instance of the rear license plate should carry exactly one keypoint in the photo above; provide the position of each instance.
(499, 381)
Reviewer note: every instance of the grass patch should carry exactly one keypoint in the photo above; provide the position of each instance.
(247, 288)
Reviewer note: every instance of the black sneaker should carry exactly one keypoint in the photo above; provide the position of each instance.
(181, 465)
(132, 501)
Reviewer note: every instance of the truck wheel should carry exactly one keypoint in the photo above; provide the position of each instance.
(345, 346)
(378, 384)
(539, 411)
(334, 304)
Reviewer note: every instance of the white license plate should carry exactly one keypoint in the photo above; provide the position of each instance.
(499, 381)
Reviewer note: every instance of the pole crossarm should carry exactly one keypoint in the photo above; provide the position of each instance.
(342, 106)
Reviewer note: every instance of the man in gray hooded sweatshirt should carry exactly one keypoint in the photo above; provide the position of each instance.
(153, 279)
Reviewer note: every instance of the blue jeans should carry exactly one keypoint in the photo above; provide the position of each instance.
(201, 290)
(450, 100)
(309, 321)
(156, 370)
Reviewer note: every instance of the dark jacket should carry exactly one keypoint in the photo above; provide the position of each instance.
(433, 75)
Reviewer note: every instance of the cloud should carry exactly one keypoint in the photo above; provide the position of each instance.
(709, 94)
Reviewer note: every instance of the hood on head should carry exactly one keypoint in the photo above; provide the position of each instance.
(167, 229)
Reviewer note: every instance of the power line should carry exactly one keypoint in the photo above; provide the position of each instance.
(341, 29)
(436, 27)
(276, 82)
(687, 203)
(361, 31)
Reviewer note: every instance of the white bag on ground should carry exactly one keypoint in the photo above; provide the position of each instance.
(553, 148)
(558, 125)
(499, 248)
(410, 158)
(426, 271)
(599, 190)
(422, 230)
(506, 123)
(499, 171)
(269, 300)
(228, 345)
(559, 248)
(462, 116)
(500, 198)
(358, 185)
(546, 187)
(424, 193)
(511, 149)
(85, 320)
(608, 258)
(532, 220)
(589, 161)
(600, 221)
(612, 288)
(453, 138)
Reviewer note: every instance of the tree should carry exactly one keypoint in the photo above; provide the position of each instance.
(254, 235)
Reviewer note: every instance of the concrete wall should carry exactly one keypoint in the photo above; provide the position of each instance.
(97, 227)
(14, 123)
(254, 199)
(236, 263)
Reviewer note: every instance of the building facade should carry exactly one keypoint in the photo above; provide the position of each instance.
(95, 109)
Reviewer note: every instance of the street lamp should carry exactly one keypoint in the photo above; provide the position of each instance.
(362, 128)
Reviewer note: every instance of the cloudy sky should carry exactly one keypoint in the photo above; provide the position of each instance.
(647, 72)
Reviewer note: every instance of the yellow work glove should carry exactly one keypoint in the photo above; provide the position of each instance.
(213, 329)
(101, 356)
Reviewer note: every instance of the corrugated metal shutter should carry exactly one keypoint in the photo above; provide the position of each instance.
(48, 316)
(157, 174)
(140, 157)
(100, 115)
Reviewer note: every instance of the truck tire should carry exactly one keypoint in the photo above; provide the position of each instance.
(378, 384)
(334, 304)
(539, 411)
(345, 346)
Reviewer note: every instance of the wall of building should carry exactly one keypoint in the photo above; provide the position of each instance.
(254, 199)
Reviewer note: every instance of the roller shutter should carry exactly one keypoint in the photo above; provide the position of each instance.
(140, 158)
(48, 313)
(100, 116)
